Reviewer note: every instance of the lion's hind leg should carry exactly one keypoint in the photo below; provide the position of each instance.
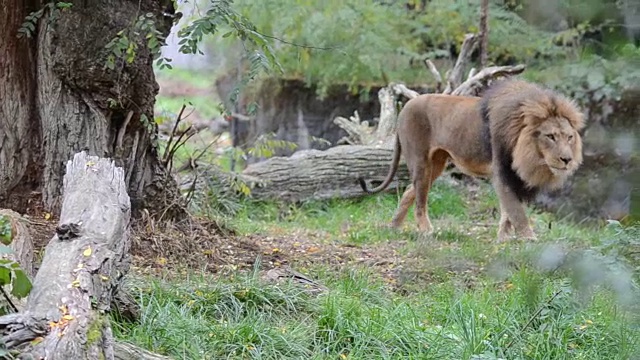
(433, 169)
(408, 197)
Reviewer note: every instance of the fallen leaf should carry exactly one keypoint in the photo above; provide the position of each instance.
(161, 261)
(47, 216)
(87, 252)
(68, 317)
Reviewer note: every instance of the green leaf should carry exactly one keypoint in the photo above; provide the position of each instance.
(5, 275)
(21, 286)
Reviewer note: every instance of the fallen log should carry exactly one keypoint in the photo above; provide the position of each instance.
(65, 316)
(319, 175)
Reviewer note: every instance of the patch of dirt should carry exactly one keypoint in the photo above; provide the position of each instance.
(202, 245)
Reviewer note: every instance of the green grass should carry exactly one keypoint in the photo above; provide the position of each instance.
(528, 316)
(203, 98)
(456, 295)
(355, 221)
(196, 78)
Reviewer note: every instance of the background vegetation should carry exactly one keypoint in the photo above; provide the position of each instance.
(453, 295)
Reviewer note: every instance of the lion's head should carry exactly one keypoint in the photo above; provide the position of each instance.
(541, 130)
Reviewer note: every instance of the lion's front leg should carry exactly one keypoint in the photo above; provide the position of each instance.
(504, 227)
(512, 214)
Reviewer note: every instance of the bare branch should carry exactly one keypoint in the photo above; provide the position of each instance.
(436, 74)
(165, 159)
(455, 77)
(388, 115)
(472, 72)
(401, 89)
(359, 132)
(481, 79)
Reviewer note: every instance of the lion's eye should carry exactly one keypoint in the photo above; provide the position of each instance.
(551, 137)
(570, 137)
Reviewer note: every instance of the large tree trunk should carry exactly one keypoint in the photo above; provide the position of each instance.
(19, 128)
(58, 98)
(83, 267)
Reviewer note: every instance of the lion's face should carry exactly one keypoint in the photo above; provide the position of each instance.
(547, 152)
(559, 145)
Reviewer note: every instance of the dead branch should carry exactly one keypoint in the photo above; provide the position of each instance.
(358, 132)
(401, 89)
(472, 86)
(165, 157)
(388, 115)
(436, 75)
(455, 76)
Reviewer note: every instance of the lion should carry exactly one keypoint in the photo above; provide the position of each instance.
(523, 137)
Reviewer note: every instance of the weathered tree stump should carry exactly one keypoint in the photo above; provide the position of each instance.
(83, 266)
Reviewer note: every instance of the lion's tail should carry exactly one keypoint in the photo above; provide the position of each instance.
(392, 171)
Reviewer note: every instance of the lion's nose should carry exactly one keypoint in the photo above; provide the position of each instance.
(565, 160)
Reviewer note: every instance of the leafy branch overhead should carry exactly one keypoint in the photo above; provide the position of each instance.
(363, 43)
(220, 16)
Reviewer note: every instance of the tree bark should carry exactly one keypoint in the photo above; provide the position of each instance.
(83, 266)
(319, 175)
(484, 33)
(58, 98)
(19, 128)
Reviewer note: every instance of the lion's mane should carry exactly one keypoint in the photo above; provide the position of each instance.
(512, 111)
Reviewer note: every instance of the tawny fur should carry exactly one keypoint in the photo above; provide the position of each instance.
(504, 135)
(516, 110)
